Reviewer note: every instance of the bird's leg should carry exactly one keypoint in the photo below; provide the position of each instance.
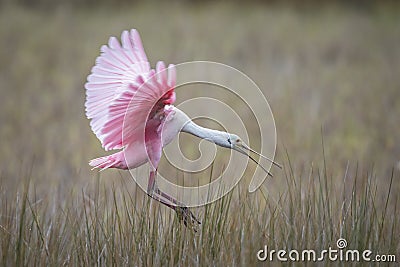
(166, 196)
(186, 215)
(151, 192)
(183, 213)
(152, 182)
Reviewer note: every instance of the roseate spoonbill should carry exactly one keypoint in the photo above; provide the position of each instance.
(130, 107)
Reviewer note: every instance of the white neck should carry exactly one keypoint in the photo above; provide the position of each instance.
(215, 136)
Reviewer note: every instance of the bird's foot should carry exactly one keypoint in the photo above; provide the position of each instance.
(184, 214)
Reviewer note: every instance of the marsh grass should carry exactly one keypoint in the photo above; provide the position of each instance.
(118, 227)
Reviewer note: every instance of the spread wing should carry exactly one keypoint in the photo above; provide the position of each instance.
(122, 91)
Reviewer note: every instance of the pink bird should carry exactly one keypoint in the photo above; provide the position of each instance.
(130, 107)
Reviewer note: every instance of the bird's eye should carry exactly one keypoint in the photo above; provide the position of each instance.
(238, 140)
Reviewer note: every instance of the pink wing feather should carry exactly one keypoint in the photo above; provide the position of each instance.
(123, 87)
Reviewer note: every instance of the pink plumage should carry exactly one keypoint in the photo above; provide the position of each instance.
(123, 96)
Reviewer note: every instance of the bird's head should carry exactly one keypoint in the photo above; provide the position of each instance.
(222, 139)
(236, 143)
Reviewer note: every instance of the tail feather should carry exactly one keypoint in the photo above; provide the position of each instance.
(111, 161)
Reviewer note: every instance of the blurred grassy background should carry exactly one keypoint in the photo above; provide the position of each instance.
(332, 67)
